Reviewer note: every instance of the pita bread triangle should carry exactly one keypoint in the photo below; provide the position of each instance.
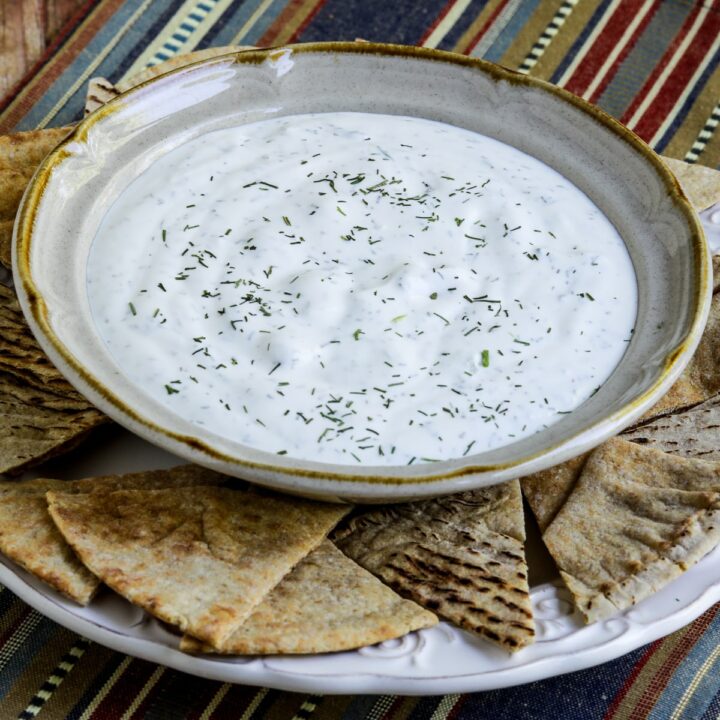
(693, 433)
(461, 556)
(636, 519)
(201, 558)
(325, 604)
(29, 537)
(701, 184)
(41, 414)
(20, 155)
(546, 491)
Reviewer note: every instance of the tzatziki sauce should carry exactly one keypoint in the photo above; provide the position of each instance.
(360, 288)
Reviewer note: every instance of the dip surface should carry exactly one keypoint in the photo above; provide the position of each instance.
(357, 288)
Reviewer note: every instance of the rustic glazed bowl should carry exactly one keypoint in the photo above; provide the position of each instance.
(76, 184)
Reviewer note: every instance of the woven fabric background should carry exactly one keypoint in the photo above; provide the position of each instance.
(651, 63)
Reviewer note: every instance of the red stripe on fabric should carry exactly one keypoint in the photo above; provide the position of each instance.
(457, 707)
(50, 50)
(311, 15)
(678, 80)
(394, 707)
(664, 60)
(629, 45)
(124, 691)
(639, 665)
(602, 46)
(34, 87)
(479, 36)
(437, 21)
(281, 21)
(660, 680)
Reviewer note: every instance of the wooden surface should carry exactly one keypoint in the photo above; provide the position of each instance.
(27, 27)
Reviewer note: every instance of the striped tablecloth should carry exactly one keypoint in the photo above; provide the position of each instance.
(651, 63)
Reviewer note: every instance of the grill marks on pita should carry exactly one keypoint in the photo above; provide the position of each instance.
(41, 414)
(461, 556)
(636, 520)
(199, 558)
(694, 433)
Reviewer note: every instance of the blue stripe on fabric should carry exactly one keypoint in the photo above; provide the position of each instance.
(139, 38)
(684, 675)
(643, 57)
(684, 110)
(580, 41)
(377, 20)
(503, 41)
(234, 18)
(713, 709)
(465, 20)
(74, 106)
(584, 695)
(27, 651)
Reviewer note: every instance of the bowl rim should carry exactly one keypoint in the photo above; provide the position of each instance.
(36, 312)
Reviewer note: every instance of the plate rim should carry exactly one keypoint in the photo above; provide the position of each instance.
(634, 636)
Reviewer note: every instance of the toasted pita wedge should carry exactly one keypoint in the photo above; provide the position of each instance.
(547, 491)
(99, 92)
(29, 537)
(201, 558)
(461, 556)
(326, 604)
(701, 184)
(41, 414)
(694, 433)
(636, 519)
(20, 154)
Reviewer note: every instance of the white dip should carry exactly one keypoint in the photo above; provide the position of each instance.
(357, 288)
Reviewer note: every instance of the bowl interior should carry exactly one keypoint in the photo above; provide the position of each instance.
(70, 194)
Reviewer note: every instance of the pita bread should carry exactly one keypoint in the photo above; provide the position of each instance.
(201, 558)
(28, 535)
(20, 155)
(547, 491)
(41, 414)
(326, 604)
(461, 556)
(701, 184)
(636, 520)
(99, 92)
(694, 433)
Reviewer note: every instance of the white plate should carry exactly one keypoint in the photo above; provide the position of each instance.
(442, 659)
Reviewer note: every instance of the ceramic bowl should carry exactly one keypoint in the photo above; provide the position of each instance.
(73, 188)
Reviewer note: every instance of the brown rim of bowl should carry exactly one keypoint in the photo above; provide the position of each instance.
(38, 309)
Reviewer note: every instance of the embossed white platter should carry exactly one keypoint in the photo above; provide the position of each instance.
(442, 659)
